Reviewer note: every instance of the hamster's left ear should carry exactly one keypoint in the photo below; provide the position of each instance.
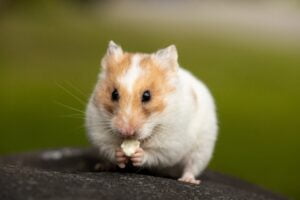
(168, 57)
(113, 49)
(113, 53)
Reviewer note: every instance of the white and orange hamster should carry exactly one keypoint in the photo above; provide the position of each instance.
(151, 99)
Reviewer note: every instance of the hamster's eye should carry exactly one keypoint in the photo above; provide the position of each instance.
(115, 95)
(146, 96)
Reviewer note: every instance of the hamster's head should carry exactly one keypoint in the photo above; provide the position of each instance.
(133, 89)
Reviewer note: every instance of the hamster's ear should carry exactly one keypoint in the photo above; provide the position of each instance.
(168, 56)
(113, 53)
(114, 49)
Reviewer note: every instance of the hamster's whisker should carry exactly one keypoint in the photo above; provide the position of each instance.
(100, 124)
(71, 94)
(77, 89)
(107, 125)
(69, 107)
(107, 130)
(74, 115)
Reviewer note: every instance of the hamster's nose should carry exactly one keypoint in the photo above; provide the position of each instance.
(127, 131)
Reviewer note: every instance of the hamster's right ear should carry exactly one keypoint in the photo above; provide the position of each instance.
(168, 57)
(113, 53)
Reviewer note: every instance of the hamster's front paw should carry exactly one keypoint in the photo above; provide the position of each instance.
(137, 158)
(121, 158)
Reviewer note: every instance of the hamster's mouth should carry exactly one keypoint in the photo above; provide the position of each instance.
(155, 130)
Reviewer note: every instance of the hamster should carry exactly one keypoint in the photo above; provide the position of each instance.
(150, 98)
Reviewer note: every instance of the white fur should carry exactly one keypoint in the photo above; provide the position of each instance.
(130, 77)
(132, 74)
(179, 141)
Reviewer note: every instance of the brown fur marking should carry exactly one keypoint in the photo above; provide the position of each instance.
(154, 79)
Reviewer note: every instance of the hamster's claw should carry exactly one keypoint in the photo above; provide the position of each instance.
(121, 158)
(138, 157)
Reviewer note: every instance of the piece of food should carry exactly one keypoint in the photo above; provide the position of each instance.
(130, 146)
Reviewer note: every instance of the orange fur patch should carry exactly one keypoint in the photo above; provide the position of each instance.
(154, 78)
(113, 70)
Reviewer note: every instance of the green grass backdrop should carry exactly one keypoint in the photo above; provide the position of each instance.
(47, 50)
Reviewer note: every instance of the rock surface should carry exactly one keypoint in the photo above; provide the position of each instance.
(69, 174)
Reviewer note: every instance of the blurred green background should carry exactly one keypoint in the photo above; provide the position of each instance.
(51, 49)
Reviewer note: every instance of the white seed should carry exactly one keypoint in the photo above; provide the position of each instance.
(130, 146)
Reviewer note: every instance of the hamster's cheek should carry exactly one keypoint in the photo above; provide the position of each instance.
(145, 131)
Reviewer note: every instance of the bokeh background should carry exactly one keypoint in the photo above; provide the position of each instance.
(248, 53)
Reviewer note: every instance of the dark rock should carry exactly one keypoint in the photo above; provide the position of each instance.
(69, 174)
